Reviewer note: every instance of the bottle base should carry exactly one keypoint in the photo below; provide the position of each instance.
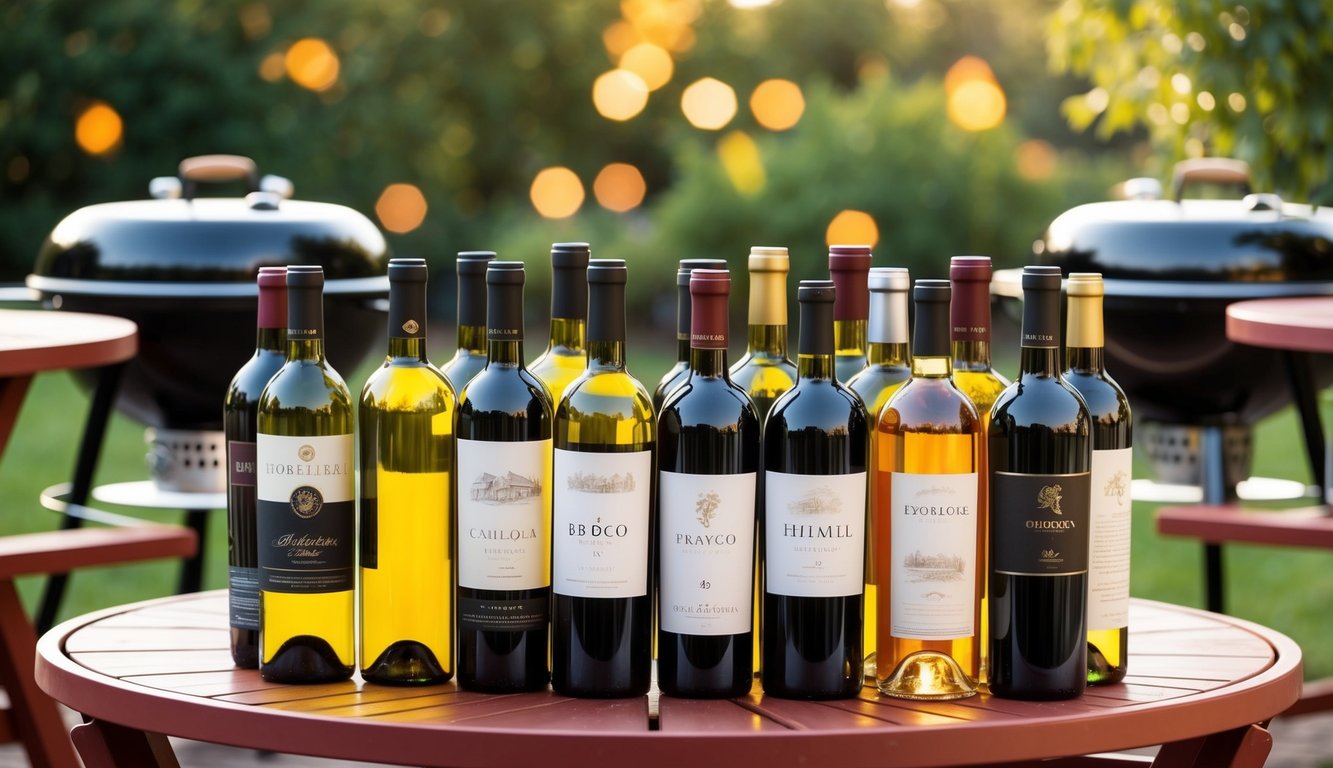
(305, 659)
(928, 676)
(406, 662)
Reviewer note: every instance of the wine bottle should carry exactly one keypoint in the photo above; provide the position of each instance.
(849, 267)
(814, 523)
(765, 371)
(239, 410)
(503, 432)
(406, 427)
(566, 354)
(929, 521)
(1112, 470)
(888, 366)
(1040, 445)
(306, 511)
(969, 334)
(470, 357)
(708, 450)
(678, 372)
(605, 442)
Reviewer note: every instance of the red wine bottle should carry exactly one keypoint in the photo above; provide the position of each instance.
(1040, 443)
(708, 449)
(504, 506)
(814, 522)
(239, 408)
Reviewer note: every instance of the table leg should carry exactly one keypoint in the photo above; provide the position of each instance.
(192, 568)
(1213, 576)
(107, 745)
(1307, 406)
(36, 717)
(94, 430)
(1246, 747)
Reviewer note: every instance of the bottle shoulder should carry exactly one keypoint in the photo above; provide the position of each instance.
(822, 404)
(403, 386)
(709, 400)
(1103, 396)
(931, 405)
(250, 379)
(304, 384)
(504, 387)
(606, 392)
(1033, 400)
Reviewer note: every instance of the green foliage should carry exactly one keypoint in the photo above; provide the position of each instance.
(1241, 79)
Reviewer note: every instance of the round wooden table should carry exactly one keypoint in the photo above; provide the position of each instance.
(1198, 684)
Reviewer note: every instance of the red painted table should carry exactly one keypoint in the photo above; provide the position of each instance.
(1199, 683)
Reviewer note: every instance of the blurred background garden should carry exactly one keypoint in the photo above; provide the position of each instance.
(659, 130)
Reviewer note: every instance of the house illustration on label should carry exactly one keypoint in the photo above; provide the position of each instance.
(817, 501)
(504, 489)
(591, 482)
(936, 567)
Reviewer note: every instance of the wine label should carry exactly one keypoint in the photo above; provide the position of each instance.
(933, 550)
(1039, 523)
(241, 463)
(243, 597)
(306, 513)
(1108, 540)
(599, 533)
(522, 615)
(504, 513)
(707, 551)
(814, 534)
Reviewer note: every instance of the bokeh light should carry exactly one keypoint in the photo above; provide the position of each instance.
(312, 64)
(401, 208)
(651, 63)
(619, 94)
(556, 192)
(619, 37)
(99, 129)
(975, 101)
(619, 187)
(742, 163)
(777, 104)
(851, 226)
(1035, 160)
(708, 103)
(273, 66)
(666, 23)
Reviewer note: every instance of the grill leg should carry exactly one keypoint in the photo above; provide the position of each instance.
(192, 568)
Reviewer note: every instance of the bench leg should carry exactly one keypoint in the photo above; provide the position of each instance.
(36, 716)
(1214, 590)
(107, 745)
(1246, 747)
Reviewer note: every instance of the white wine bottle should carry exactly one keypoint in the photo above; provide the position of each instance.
(605, 440)
(406, 428)
(306, 516)
(470, 357)
(566, 354)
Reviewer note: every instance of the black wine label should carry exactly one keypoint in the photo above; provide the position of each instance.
(307, 544)
(243, 597)
(370, 532)
(1039, 523)
(522, 615)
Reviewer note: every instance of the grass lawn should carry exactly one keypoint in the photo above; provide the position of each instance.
(1287, 589)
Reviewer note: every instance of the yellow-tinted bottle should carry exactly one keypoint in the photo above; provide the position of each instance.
(566, 355)
(765, 371)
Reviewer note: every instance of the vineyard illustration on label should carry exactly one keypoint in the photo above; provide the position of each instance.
(816, 501)
(507, 488)
(938, 567)
(592, 482)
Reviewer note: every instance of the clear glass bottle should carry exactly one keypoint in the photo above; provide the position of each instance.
(566, 354)
(406, 428)
(681, 370)
(814, 523)
(1112, 473)
(849, 268)
(470, 357)
(929, 522)
(605, 446)
(305, 485)
(239, 410)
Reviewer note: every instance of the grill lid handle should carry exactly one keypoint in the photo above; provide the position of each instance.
(215, 169)
(1210, 170)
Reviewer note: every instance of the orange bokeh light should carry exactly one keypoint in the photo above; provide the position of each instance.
(99, 129)
(619, 187)
(619, 94)
(401, 208)
(975, 101)
(312, 64)
(851, 226)
(651, 63)
(556, 192)
(1035, 160)
(777, 104)
(708, 103)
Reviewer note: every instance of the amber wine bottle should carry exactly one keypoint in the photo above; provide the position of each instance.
(814, 522)
(406, 428)
(239, 409)
(1040, 442)
(306, 516)
(708, 449)
(470, 357)
(503, 528)
(681, 370)
(605, 443)
(566, 354)
(1112, 471)
(929, 521)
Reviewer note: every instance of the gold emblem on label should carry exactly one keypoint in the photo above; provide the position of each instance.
(305, 453)
(1049, 498)
(411, 326)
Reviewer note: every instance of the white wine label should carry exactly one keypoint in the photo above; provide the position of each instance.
(1108, 540)
(306, 513)
(504, 514)
(599, 535)
(933, 551)
(707, 551)
(814, 534)
(1039, 523)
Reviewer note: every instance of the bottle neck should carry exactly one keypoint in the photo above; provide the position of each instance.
(1085, 332)
(971, 355)
(271, 340)
(472, 338)
(504, 352)
(504, 324)
(606, 355)
(814, 366)
(569, 333)
(683, 349)
(1041, 333)
(886, 354)
(403, 348)
(767, 341)
(305, 324)
(708, 362)
(849, 337)
(606, 325)
(1086, 359)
